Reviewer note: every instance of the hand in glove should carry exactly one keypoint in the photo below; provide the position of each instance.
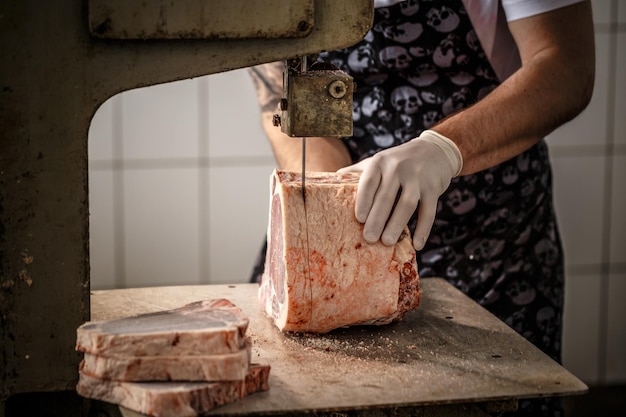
(395, 180)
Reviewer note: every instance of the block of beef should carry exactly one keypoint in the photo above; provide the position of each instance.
(202, 328)
(173, 399)
(320, 273)
(219, 367)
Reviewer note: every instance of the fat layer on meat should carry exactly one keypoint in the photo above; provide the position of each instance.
(201, 328)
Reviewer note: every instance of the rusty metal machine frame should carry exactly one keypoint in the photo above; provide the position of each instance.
(60, 61)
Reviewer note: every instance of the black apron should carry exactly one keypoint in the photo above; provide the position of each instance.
(495, 235)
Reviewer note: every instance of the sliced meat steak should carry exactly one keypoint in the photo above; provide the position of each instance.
(173, 399)
(320, 274)
(201, 328)
(220, 367)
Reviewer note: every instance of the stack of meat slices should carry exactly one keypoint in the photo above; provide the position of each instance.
(180, 362)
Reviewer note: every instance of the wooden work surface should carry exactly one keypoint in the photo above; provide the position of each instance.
(450, 350)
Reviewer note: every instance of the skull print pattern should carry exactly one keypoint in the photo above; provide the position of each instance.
(495, 236)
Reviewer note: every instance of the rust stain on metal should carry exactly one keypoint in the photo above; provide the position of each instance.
(25, 277)
(27, 258)
(194, 19)
(7, 284)
(103, 28)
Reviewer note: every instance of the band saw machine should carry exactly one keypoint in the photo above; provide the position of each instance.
(60, 61)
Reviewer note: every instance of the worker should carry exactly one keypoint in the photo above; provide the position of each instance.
(452, 103)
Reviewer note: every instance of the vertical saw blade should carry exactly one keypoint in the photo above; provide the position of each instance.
(303, 166)
(303, 69)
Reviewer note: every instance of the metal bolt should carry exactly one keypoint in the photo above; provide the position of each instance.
(337, 89)
(303, 26)
(283, 104)
(276, 120)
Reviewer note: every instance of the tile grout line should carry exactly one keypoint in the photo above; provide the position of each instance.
(119, 229)
(202, 87)
(608, 201)
(608, 28)
(185, 162)
(593, 268)
(561, 151)
(568, 151)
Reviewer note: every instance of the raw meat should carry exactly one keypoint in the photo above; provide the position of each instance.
(320, 274)
(201, 328)
(220, 367)
(173, 399)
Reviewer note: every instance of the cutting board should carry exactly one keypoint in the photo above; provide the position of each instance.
(449, 351)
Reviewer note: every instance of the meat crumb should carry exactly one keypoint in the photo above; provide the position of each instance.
(357, 345)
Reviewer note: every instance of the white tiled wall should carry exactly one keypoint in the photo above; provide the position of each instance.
(617, 254)
(589, 156)
(616, 330)
(580, 219)
(620, 83)
(581, 337)
(179, 182)
(179, 194)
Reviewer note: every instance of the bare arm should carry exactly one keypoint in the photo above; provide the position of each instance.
(553, 85)
(322, 154)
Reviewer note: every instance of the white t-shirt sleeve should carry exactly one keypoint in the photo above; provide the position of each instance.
(385, 3)
(519, 9)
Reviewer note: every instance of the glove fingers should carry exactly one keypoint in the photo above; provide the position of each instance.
(358, 167)
(368, 185)
(425, 220)
(379, 200)
(402, 212)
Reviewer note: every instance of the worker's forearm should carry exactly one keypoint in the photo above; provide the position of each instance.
(510, 120)
(322, 154)
(553, 85)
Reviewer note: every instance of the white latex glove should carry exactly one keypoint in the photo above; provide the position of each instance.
(395, 180)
